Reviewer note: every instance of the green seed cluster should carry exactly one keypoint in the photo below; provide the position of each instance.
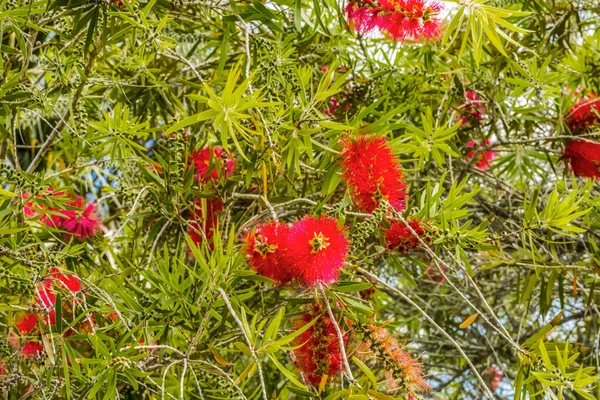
(363, 230)
(176, 144)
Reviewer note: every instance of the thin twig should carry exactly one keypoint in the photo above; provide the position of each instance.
(160, 233)
(500, 328)
(254, 197)
(248, 341)
(375, 279)
(339, 335)
(63, 120)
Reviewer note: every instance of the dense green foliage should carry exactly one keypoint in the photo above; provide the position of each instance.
(107, 100)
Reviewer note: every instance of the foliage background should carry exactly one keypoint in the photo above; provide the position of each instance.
(94, 92)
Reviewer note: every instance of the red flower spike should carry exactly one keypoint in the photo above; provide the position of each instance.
(584, 114)
(26, 322)
(208, 167)
(13, 340)
(484, 158)
(584, 158)
(69, 281)
(114, 316)
(31, 349)
(434, 275)
(265, 248)
(82, 222)
(373, 173)
(199, 225)
(472, 110)
(494, 376)
(367, 294)
(2, 369)
(317, 249)
(319, 354)
(399, 237)
(49, 216)
(88, 324)
(334, 105)
(402, 20)
(45, 294)
(151, 350)
(51, 318)
(400, 365)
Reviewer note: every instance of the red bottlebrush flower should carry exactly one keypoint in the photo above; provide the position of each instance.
(26, 322)
(28, 207)
(264, 248)
(49, 216)
(68, 281)
(51, 318)
(402, 20)
(367, 294)
(156, 168)
(150, 350)
(584, 114)
(334, 105)
(113, 316)
(199, 225)
(399, 237)
(45, 294)
(31, 349)
(2, 369)
(373, 173)
(317, 249)
(208, 164)
(13, 340)
(320, 353)
(584, 158)
(403, 370)
(472, 110)
(434, 275)
(80, 222)
(494, 376)
(88, 324)
(484, 158)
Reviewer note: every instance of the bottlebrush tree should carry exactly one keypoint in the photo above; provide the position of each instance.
(354, 199)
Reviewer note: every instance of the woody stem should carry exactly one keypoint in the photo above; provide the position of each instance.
(339, 335)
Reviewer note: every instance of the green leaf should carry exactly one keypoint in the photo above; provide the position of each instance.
(287, 373)
(366, 370)
(349, 287)
(288, 338)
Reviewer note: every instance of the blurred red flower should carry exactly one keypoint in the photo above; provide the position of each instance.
(403, 20)
(31, 349)
(584, 158)
(45, 294)
(584, 113)
(203, 220)
(49, 216)
(80, 221)
(211, 164)
(26, 322)
(484, 158)
(69, 281)
(400, 238)
(472, 110)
